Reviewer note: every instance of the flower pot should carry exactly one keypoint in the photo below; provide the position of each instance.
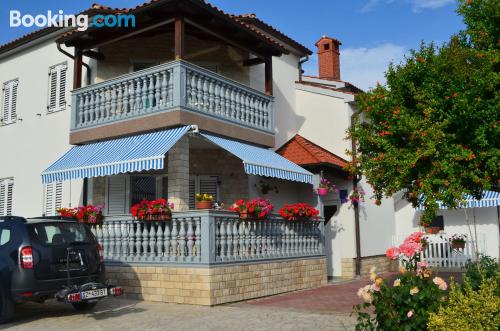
(244, 215)
(432, 229)
(458, 244)
(203, 204)
(322, 191)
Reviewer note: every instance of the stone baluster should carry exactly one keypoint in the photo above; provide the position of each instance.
(137, 104)
(205, 105)
(197, 234)
(118, 239)
(190, 237)
(145, 240)
(253, 239)
(131, 97)
(107, 95)
(131, 239)
(92, 108)
(248, 248)
(199, 91)
(241, 244)
(229, 240)
(211, 97)
(119, 100)
(113, 111)
(223, 241)
(268, 236)
(222, 93)
(287, 240)
(105, 239)
(98, 234)
(144, 94)
(164, 89)
(167, 238)
(125, 239)
(81, 113)
(152, 240)
(246, 108)
(193, 94)
(174, 240)
(236, 239)
(126, 99)
(170, 87)
(138, 240)
(182, 239)
(232, 107)
(258, 239)
(157, 90)
(112, 239)
(159, 242)
(282, 238)
(151, 92)
(97, 106)
(227, 102)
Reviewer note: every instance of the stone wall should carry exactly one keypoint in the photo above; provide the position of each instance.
(218, 284)
(216, 162)
(178, 174)
(382, 263)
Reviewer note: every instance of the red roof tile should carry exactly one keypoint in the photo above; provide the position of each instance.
(304, 152)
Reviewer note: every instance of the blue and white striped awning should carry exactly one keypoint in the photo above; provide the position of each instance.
(111, 157)
(489, 199)
(261, 161)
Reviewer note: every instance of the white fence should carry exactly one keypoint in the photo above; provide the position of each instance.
(439, 252)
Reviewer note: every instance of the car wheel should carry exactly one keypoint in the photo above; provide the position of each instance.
(6, 307)
(82, 306)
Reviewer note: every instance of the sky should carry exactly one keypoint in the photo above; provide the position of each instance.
(373, 32)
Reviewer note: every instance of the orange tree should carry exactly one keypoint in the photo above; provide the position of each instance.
(433, 130)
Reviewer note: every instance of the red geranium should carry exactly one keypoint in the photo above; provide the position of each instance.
(297, 211)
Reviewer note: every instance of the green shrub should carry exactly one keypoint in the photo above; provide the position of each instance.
(469, 310)
(489, 268)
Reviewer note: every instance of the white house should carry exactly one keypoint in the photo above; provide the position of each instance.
(241, 91)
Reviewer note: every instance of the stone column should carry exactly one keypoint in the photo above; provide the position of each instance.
(178, 174)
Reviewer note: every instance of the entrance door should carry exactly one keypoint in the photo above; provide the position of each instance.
(329, 212)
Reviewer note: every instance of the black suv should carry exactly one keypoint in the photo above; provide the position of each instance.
(50, 257)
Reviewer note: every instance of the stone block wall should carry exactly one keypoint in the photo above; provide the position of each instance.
(218, 284)
(382, 263)
(178, 174)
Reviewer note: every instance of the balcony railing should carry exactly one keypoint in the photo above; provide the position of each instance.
(209, 237)
(168, 87)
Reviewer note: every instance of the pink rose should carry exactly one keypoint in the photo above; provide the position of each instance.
(440, 283)
(410, 313)
(392, 253)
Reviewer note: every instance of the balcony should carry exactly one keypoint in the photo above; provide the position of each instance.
(176, 85)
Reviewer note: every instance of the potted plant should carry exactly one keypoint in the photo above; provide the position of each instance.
(85, 214)
(154, 210)
(458, 241)
(325, 186)
(357, 195)
(298, 211)
(258, 208)
(204, 201)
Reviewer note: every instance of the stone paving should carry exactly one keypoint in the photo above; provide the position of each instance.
(125, 314)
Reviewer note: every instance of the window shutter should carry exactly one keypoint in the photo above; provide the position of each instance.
(6, 103)
(209, 185)
(192, 192)
(53, 198)
(117, 195)
(6, 195)
(52, 90)
(62, 87)
(13, 106)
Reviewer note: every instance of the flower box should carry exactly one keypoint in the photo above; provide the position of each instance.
(322, 191)
(203, 204)
(458, 244)
(84, 214)
(298, 212)
(257, 209)
(432, 229)
(155, 210)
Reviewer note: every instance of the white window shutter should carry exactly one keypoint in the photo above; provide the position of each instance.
(117, 195)
(62, 87)
(13, 105)
(6, 103)
(57, 88)
(58, 196)
(53, 198)
(6, 196)
(52, 90)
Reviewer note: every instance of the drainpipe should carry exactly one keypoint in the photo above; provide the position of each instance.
(88, 71)
(355, 182)
(85, 189)
(301, 61)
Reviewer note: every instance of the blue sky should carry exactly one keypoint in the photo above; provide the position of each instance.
(373, 32)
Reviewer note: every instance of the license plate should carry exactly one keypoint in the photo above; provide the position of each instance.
(92, 294)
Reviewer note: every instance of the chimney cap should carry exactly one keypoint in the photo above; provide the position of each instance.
(323, 37)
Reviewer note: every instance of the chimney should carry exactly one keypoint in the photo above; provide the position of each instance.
(329, 58)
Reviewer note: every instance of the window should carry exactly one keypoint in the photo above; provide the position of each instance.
(203, 184)
(326, 47)
(142, 187)
(57, 87)
(9, 101)
(53, 198)
(60, 233)
(4, 236)
(6, 191)
(437, 222)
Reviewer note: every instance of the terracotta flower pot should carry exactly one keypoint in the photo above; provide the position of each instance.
(458, 244)
(203, 204)
(432, 229)
(322, 191)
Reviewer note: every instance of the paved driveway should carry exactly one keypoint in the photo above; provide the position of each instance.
(123, 314)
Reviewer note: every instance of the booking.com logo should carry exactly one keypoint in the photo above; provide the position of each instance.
(81, 22)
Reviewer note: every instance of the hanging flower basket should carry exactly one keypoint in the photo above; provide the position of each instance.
(84, 214)
(432, 229)
(322, 191)
(458, 244)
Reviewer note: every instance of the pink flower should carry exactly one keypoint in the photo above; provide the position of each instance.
(422, 264)
(440, 283)
(409, 248)
(392, 253)
(410, 313)
(365, 293)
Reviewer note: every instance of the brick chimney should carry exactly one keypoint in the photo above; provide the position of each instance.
(329, 58)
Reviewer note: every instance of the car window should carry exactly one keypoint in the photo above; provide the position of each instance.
(60, 233)
(4, 236)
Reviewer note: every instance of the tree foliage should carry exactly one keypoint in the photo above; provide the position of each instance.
(433, 130)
